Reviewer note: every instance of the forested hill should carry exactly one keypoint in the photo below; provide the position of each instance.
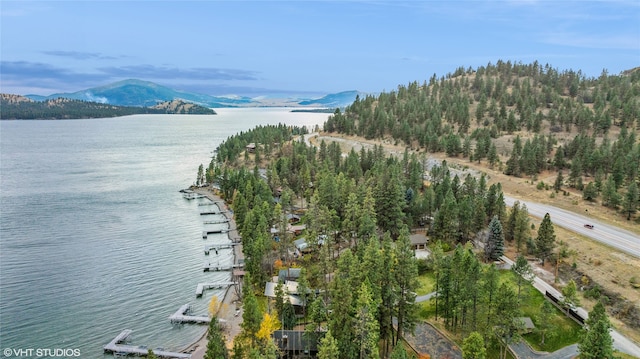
(18, 107)
(521, 118)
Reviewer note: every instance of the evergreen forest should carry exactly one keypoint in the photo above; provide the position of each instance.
(359, 277)
(13, 107)
(521, 118)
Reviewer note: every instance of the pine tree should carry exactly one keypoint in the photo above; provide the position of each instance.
(366, 328)
(610, 196)
(495, 242)
(523, 271)
(216, 348)
(570, 295)
(406, 284)
(251, 316)
(557, 185)
(546, 239)
(328, 348)
(523, 229)
(631, 200)
(544, 320)
(596, 341)
(473, 347)
(445, 224)
(510, 228)
(590, 192)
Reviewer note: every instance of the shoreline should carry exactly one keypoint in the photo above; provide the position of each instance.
(198, 347)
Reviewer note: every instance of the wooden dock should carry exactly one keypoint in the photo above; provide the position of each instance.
(180, 316)
(208, 267)
(116, 346)
(207, 232)
(202, 286)
(206, 212)
(211, 203)
(216, 247)
(220, 221)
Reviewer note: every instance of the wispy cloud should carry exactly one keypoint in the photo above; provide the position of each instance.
(80, 55)
(45, 76)
(166, 72)
(25, 70)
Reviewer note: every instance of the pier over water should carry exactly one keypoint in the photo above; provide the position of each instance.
(116, 346)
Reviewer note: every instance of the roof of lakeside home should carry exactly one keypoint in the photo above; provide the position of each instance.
(296, 340)
(270, 291)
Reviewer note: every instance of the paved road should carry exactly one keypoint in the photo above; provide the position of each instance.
(620, 342)
(524, 351)
(621, 239)
(424, 298)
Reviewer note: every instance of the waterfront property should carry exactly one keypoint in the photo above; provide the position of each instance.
(293, 343)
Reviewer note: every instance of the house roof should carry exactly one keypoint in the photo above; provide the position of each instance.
(301, 244)
(270, 291)
(292, 216)
(298, 227)
(528, 323)
(283, 274)
(418, 238)
(295, 340)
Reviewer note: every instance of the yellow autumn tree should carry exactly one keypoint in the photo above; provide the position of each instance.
(270, 324)
(217, 308)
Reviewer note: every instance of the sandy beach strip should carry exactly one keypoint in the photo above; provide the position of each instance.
(232, 324)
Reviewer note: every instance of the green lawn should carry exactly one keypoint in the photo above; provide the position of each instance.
(564, 331)
(427, 283)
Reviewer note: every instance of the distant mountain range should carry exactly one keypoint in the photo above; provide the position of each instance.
(147, 94)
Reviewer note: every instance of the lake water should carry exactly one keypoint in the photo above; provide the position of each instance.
(95, 237)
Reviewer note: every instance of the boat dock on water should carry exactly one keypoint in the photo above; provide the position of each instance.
(202, 286)
(215, 247)
(211, 211)
(206, 233)
(211, 203)
(180, 316)
(208, 267)
(221, 221)
(117, 346)
(189, 194)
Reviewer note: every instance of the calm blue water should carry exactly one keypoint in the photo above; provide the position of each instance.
(94, 236)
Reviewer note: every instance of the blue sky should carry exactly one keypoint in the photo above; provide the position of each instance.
(301, 47)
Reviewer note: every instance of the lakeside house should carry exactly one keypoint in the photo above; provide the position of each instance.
(291, 274)
(418, 241)
(292, 297)
(295, 344)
